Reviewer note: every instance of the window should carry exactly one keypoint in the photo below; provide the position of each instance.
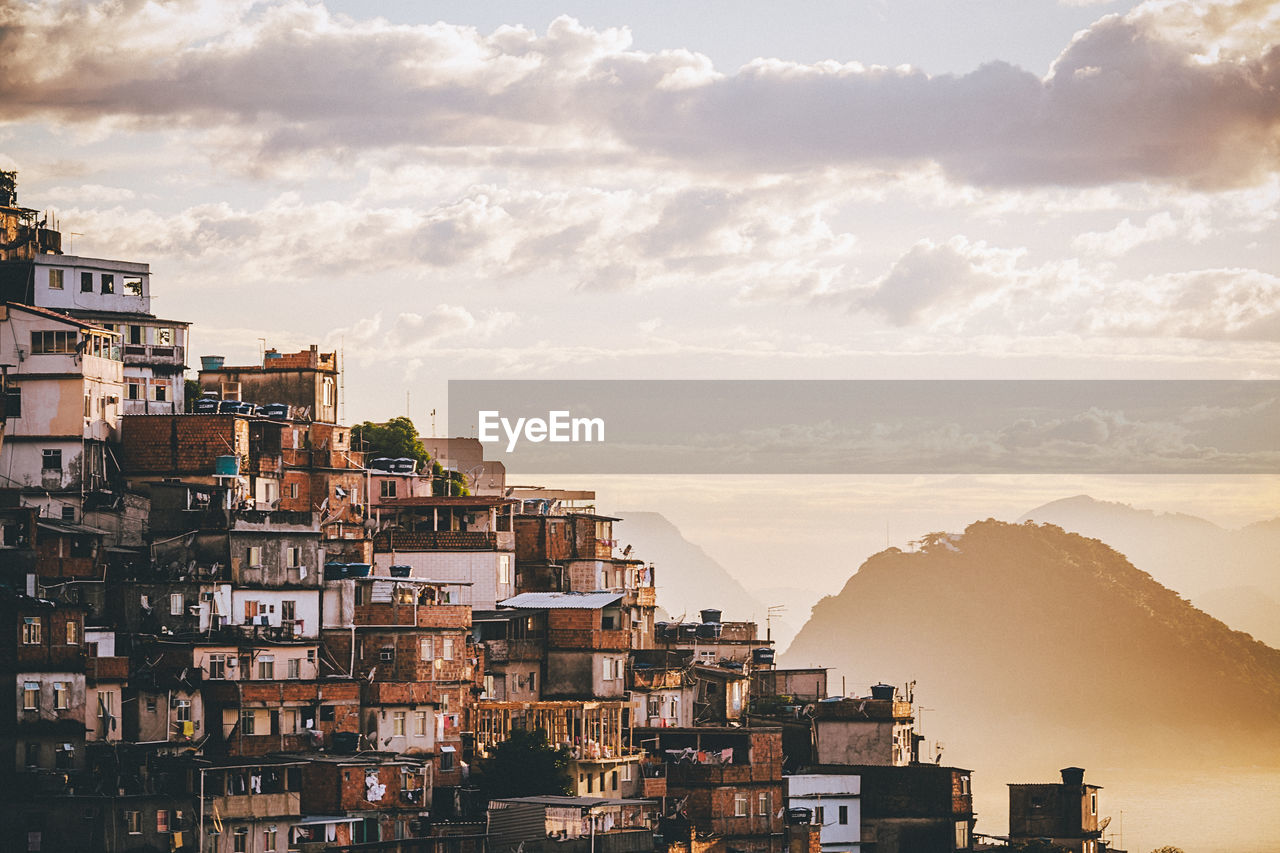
(218, 666)
(108, 283)
(13, 402)
(135, 335)
(397, 723)
(33, 753)
(51, 460)
(1093, 804)
(31, 696)
(61, 695)
(247, 726)
(183, 710)
(762, 805)
(133, 822)
(817, 816)
(269, 839)
(446, 760)
(446, 650)
(31, 630)
(68, 513)
(133, 390)
(86, 282)
(615, 780)
(160, 391)
(295, 668)
(132, 284)
(176, 604)
(739, 805)
(533, 681)
(73, 633)
(504, 568)
(844, 816)
(326, 714)
(388, 488)
(292, 490)
(962, 835)
(55, 279)
(53, 342)
(420, 723)
(328, 391)
(607, 666)
(240, 839)
(151, 705)
(162, 820)
(254, 557)
(164, 337)
(293, 557)
(267, 667)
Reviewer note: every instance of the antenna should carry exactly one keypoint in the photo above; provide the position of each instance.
(342, 379)
(433, 423)
(774, 610)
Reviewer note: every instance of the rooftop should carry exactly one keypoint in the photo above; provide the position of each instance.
(563, 600)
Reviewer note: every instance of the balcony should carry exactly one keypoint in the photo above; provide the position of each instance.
(429, 540)
(594, 639)
(106, 669)
(503, 651)
(409, 615)
(153, 355)
(646, 597)
(286, 804)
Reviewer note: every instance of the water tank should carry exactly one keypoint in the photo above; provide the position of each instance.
(359, 570)
(380, 463)
(346, 742)
(212, 362)
(270, 354)
(404, 465)
(709, 630)
(400, 571)
(710, 615)
(206, 406)
(226, 466)
(762, 655)
(335, 571)
(689, 630)
(275, 411)
(883, 691)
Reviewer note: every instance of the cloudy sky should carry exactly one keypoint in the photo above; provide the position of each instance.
(572, 189)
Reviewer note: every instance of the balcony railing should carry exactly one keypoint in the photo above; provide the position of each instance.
(153, 354)
(444, 540)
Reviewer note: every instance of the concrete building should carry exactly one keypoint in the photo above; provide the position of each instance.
(587, 642)
(306, 381)
(1064, 812)
(834, 803)
(872, 730)
(515, 653)
(63, 404)
(110, 294)
(581, 824)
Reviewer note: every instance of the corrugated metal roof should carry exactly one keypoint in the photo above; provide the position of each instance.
(563, 600)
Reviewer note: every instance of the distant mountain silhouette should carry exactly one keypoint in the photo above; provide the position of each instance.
(1031, 644)
(1191, 555)
(688, 578)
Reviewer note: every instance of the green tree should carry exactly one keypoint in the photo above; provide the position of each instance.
(525, 765)
(448, 483)
(190, 393)
(396, 439)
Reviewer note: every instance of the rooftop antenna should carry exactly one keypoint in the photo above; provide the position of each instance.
(70, 242)
(774, 610)
(342, 379)
(433, 423)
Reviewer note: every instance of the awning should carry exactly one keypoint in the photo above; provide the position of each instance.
(311, 820)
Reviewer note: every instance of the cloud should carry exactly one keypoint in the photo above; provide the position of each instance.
(932, 277)
(1169, 92)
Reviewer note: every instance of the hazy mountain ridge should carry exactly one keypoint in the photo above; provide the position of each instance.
(1209, 564)
(1034, 638)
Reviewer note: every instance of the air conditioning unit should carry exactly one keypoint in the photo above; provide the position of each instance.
(232, 663)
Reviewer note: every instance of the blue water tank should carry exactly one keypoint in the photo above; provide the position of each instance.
(206, 406)
(226, 466)
(212, 362)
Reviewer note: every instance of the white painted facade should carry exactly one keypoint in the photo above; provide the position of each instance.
(490, 573)
(401, 728)
(67, 378)
(276, 607)
(835, 802)
(257, 663)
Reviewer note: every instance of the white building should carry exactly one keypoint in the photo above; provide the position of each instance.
(834, 804)
(66, 383)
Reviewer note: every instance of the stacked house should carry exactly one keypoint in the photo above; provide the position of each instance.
(228, 628)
